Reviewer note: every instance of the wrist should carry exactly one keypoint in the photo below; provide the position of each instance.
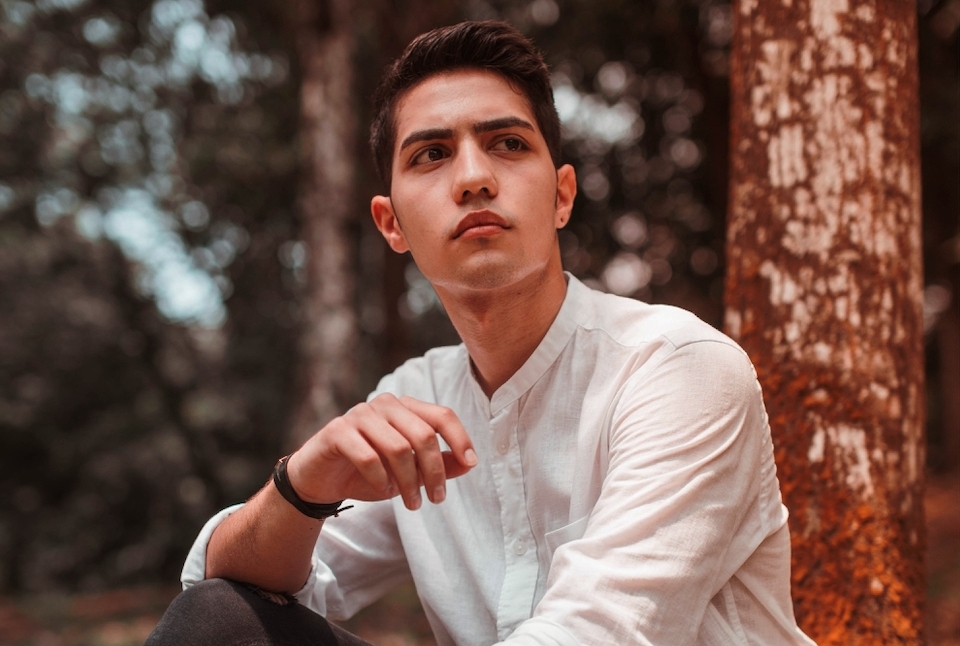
(282, 481)
(299, 480)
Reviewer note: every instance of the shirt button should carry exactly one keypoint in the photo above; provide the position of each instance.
(519, 548)
(503, 447)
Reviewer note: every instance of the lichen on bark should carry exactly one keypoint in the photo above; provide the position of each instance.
(823, 290)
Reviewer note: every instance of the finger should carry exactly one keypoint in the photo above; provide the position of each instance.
(396, 452)
(445, 422)
(365, 459)
(423, 439)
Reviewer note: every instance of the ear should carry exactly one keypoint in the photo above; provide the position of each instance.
(566, 192)
(381, 207)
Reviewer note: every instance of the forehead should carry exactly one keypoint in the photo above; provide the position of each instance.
(459, 99)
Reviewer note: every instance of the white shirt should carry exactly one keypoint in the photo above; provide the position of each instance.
(626, 493)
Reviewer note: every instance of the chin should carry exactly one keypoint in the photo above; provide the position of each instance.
(494, 276)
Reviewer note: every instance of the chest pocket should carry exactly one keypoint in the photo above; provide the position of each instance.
(721, 623)
(565, 534)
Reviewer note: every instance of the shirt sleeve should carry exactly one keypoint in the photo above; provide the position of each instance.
(689, 493)
(357, 559)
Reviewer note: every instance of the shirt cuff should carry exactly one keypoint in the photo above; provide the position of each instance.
(195, 567)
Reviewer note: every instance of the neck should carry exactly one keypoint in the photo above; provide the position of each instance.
(501, 328)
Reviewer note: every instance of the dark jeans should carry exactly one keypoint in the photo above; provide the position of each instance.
(218, 612)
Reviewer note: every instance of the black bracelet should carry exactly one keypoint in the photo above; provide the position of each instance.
(311, 509)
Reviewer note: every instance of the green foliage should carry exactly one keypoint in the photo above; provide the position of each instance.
(147, 327)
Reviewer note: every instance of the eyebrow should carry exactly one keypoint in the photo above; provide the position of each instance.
(479, 128)
(501, 124)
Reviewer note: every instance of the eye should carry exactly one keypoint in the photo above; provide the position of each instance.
(427, 155)
(511, 144)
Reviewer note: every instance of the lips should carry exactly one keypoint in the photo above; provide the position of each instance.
(480, 222)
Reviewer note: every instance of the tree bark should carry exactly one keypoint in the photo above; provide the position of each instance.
(824, 291)
(325, 44)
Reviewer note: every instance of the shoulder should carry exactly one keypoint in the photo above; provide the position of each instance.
(620, 343)
(698, 394)
(633, 323)
(687, 379)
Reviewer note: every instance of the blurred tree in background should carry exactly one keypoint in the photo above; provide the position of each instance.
(162, 292)
(325, 37)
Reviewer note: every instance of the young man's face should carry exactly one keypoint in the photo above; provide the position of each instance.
(475, 196)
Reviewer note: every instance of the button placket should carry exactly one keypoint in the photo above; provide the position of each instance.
(521, 565)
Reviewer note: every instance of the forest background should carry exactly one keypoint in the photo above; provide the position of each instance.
(182, 272)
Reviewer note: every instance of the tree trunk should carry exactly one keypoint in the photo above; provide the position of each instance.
(325, 43)
(824, 292)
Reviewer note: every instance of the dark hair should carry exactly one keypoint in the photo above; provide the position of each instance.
(487, 45)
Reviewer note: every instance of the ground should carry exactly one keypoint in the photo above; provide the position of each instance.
(125, 617)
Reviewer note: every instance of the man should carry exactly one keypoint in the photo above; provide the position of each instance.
(597, 470)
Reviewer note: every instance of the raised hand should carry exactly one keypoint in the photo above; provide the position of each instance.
(379, 449)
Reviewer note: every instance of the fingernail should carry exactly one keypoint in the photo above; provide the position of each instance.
(439, 493)
(470, 457)
(391, 490)
(415, 502)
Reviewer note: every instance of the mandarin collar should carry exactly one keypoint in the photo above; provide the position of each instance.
(558, 335)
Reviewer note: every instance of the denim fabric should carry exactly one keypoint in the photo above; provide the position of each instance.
(218, 612)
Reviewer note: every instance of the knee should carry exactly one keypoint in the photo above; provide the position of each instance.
(212, 596)
(209, 612)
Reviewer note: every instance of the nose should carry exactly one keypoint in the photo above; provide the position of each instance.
(473, 173)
